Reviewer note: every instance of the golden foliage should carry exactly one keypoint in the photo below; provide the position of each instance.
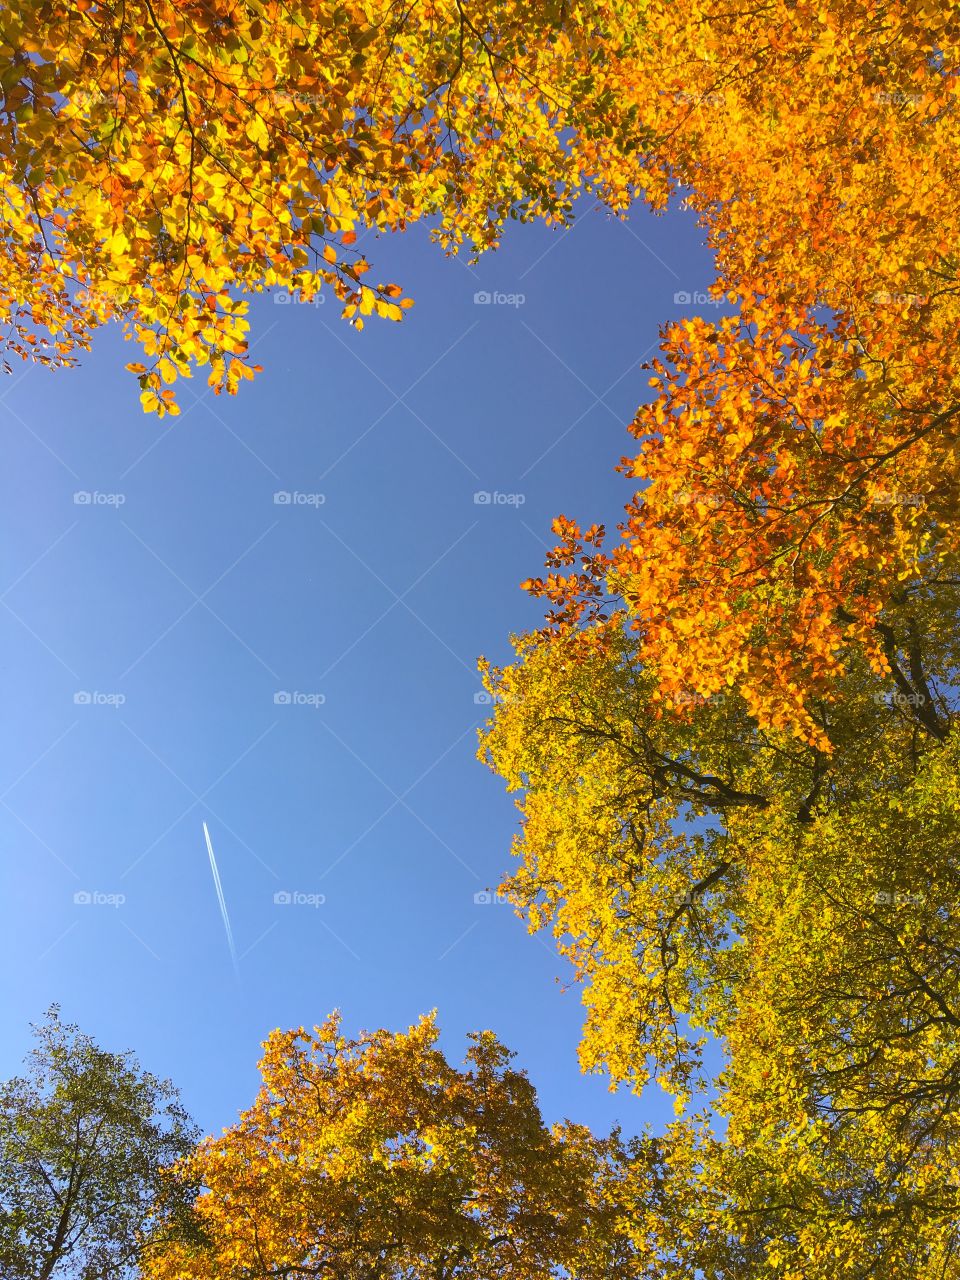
(164, 160)
(373, 1157)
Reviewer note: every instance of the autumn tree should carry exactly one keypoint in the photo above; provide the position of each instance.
(761, 921)
(163, 159)
(734, 737)
(84, 1138)
(797, 461)
(372, 1158)
(787, 1202)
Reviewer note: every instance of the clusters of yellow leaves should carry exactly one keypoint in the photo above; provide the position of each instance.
(729, 894)
(373, 1157)
(734, 739)
(161, 160)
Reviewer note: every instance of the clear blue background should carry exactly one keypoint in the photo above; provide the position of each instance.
(199, 598)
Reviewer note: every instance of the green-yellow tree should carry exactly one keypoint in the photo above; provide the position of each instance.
(85, 1138)
(726, 892)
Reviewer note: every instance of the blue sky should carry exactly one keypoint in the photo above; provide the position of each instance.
(148, 633)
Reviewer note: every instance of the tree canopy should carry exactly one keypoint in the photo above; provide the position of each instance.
(85, 1137)
(762, 924)
(163, 160)
(374, 1159)
(733, 739)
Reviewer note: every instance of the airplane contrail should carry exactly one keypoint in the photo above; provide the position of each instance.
(220, 898)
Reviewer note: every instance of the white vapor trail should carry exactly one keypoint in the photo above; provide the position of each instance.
(220, 898)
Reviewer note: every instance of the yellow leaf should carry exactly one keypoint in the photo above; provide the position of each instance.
(256, 131)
